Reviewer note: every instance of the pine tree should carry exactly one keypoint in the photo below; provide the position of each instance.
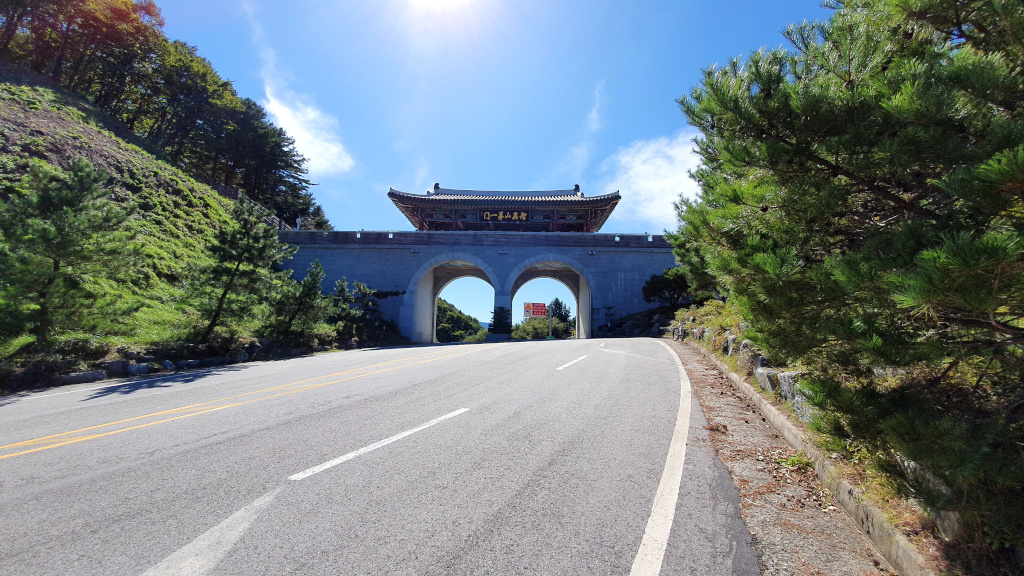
(861, 201)
(65, 240)
(558, 309)
(245, 254)
(300, 307)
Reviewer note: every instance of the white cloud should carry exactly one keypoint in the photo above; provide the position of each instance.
(574, 162)
(651, 175)
(594, 117)
(314, 131)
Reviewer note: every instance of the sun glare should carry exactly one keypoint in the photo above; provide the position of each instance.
(440, 4)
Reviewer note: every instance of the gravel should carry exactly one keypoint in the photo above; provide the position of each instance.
(795, 525)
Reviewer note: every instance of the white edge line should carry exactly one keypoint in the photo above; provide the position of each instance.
(570, 363)
(331, 463)
(652, 548)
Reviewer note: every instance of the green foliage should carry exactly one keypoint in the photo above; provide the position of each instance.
(862, 204)
(241, 274)
(537, 329)
(301, 310)
(358, 312)
(114, 53)
(501, 321)
(64, 239)
(668, 288)
(453, 325)
(478, 336)
(560, 310)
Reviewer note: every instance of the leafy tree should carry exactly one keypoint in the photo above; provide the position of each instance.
(65, 242)
(668, 288)
(453, 325)
(861, 202)
(501, 321)
(560, 310)
(301, 307)
(537, 329)
(242, 273)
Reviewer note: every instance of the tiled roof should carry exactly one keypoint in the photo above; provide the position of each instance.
(447, 195)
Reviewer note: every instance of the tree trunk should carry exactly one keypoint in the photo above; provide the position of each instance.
(220, 305)
(42, 327)
(10, 30)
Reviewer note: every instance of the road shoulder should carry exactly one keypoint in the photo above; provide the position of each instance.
(794, 523)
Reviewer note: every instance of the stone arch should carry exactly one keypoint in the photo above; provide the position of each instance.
(580, 286)
(419, 304)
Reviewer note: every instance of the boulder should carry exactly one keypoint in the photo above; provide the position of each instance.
(167, 365)
(118, 368)
(215, 361)
(138, 369)
(81, 377)
(186, 364)
(240, 356)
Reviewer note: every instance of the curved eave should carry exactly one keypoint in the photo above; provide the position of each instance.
(556, 202)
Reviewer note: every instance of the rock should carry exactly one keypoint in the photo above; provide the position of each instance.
(745, 345)
(730, 344)
(167, 365)
(130, 355)
(654, 329)
(656, 317)
(297, 352)
(240, 356)
(254, 349)
(215, 361)
(81, 377)
(766, 379)
(117, 368)
(138, 369)
(186, 364)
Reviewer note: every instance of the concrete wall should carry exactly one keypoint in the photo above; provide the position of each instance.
(607, 272)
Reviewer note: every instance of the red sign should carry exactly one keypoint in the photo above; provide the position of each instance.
(534, 309)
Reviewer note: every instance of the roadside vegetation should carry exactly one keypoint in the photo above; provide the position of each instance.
(862, 213)
(115, 248)
(562, 324)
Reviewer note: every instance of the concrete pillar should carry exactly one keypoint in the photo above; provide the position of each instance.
(423, 323)
(583, 302)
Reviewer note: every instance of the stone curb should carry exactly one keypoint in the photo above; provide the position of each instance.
(901, 554)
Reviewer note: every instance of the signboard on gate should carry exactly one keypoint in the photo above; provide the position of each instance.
(534, 309)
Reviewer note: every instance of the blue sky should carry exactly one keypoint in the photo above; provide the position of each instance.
(482, 94)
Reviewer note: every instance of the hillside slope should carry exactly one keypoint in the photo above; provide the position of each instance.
(176, 218)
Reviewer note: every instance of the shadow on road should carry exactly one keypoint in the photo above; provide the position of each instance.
(167, 381)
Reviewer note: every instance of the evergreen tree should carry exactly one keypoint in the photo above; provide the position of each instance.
(300, 307)
(501, 321)
(245, 254)
(560, 310)
(861, 202)
(65, 242)
(667, 288)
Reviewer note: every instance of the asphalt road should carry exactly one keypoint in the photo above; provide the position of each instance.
(551, 457)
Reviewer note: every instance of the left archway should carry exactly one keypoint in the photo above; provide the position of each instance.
(419, 305)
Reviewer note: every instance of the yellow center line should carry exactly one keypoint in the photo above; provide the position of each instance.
(194, 406)
(65, 438)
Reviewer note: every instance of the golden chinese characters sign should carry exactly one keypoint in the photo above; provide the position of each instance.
(504, 216)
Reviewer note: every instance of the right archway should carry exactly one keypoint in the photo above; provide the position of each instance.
(559, 268)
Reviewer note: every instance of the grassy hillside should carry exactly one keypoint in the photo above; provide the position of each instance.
(176, 216)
